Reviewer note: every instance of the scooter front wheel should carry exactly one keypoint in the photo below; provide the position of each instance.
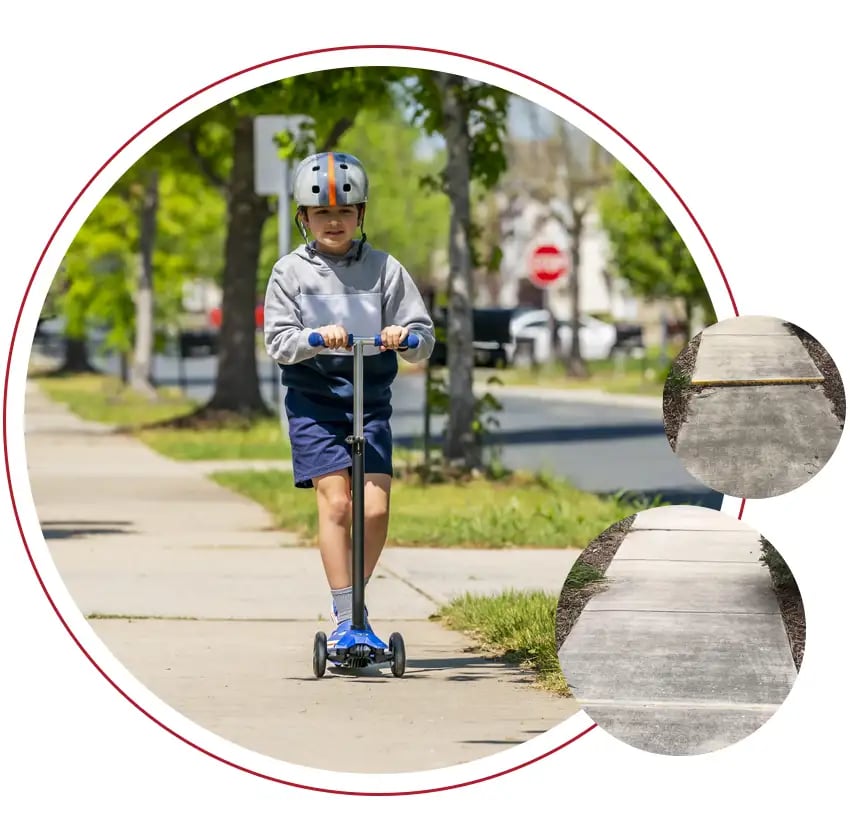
(396, 645)
(320, 654)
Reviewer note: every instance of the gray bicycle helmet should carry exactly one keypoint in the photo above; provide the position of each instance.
(330, 180)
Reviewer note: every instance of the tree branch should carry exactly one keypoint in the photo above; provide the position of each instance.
(340, 126)
(204, 165)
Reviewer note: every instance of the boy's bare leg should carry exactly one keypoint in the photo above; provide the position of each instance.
(376, 501)
(333, 499)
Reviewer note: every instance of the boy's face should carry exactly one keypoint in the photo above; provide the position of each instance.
(333, 227)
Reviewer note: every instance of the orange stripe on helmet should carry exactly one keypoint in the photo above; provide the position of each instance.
(331, 181)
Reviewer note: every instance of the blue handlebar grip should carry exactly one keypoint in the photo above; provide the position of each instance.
(410, 342)
(315, 339)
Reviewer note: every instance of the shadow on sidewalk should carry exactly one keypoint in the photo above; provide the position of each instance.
(561, 433)
(419, 669)
(530, 733)
(73, 529)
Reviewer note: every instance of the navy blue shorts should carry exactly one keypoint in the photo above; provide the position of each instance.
(317, 434)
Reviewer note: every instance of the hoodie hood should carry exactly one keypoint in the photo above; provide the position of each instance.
(355, 253)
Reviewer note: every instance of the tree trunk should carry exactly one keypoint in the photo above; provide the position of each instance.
(140, 370)
(575, 363)
(76, 357)
(460, 443)
(237, 386)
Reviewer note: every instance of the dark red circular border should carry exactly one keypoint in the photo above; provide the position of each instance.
(41, 260)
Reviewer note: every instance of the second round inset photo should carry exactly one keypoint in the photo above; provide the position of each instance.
(680, 630)
(754, 407)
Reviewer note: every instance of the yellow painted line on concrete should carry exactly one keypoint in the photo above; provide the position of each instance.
(766, 381)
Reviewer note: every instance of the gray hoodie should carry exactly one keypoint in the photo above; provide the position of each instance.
(308, 289)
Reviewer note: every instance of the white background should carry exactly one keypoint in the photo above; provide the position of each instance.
(741, 110)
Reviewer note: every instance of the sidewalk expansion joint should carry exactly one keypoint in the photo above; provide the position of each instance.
(706, 704)
(677, 611)
(408, 583)
(735, 531)
(621, 558)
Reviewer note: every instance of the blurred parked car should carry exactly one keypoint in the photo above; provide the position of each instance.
(198, 342)
(506, 337)
(491, 330)
(532, 329)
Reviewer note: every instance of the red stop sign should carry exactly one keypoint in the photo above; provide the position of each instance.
(548, 264)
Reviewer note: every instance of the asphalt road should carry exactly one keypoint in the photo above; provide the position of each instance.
(598, 447)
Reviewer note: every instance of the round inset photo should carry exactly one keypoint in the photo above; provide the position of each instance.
(680, 630)
(754, 407)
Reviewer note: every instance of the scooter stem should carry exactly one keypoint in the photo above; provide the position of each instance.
(358, 616)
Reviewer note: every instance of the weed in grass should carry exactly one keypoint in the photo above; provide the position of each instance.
(779, 570)
(582, 575)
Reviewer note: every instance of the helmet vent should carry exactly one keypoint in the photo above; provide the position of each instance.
(316, 188)
(316, 168)
(346, 187)
(344, 166)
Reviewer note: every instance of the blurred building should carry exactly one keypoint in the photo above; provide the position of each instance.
(200, 296)
(526, 224)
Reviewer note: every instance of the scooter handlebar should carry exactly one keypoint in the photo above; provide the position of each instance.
(411, 341)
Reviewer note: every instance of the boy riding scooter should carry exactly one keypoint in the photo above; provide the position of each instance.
(331, 296)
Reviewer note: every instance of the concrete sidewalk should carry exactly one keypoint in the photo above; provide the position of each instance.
(752, 350)
(212, 609)
(684, 651)
(761, 424)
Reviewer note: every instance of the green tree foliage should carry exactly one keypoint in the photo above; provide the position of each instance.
(646, 249)
(402, 217)
(94, 287)
(91, 287)
(191, 232)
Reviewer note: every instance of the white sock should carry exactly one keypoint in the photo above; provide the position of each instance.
(342, 603)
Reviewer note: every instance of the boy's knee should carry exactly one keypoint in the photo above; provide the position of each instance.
(376, 511)
(376, 515)
(336, 508)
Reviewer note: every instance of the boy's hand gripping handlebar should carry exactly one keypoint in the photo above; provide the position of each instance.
(410, 342)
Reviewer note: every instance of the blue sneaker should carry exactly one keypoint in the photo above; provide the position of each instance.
(353, 648)
(342, 636)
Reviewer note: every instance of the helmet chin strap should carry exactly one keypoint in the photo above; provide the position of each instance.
(303, 230)
(362, 231)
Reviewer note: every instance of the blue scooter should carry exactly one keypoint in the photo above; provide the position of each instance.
(360, 647)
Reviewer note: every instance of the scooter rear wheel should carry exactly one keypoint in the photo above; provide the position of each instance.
(320, 653)
(396, 645)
